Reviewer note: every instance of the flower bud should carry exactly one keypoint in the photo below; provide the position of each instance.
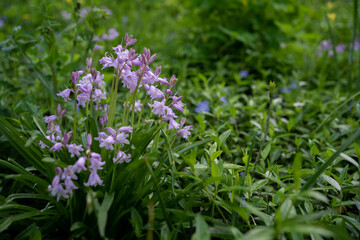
(89, 140)
(88, 64)
(59, 110)
(63, 112)
(125, 129)
(105, 118)
(173, 81)
(58, 171)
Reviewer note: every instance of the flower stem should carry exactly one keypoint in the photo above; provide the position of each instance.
(141, 111)
(112, 107)
(126, 107)
(134, 98)
(75, 115)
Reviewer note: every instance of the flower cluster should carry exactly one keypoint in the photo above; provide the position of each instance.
(115, 136)
(164, 102)
(87, 89)
(327, 47)
(54, 132)
(135, 74)
(113, 34)
(202, 106)
(93, 163)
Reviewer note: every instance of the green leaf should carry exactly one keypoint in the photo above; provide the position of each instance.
(35, 233)
(332, 182)
(6, 222)
(215, 155)
(285, 210)
(141, 140)
(307, 229)
(27, 196)
(260, 233)
(77, 225)
(49, 160)
(212, 149)
(357, 150)
(194, 145)
(202, 229)
(103, 212)
(224, 136)
(351, 221)
(259, 184)
(82, 120)
(215, 171)
(232, 166)
(265, 152)
(266, 218)
(136, 222)
(31, 154)
(314, 150)
(313, 179)
(297, 171)
(332, 115)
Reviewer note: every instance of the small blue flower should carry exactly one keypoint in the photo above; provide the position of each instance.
(202, 107)
(223, 99)
(285, 90)
(293, 85)
(243, 74)
(243, 201)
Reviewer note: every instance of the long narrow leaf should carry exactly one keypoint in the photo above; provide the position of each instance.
(313, 179)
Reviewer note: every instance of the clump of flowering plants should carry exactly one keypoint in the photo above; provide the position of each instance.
(113, 137)
(101, 146)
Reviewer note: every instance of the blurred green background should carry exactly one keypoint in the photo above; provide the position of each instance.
(272, 40)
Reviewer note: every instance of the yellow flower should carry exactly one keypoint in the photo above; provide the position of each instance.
(330, 5)
(331, 16)
(26, 16)
(68, 1)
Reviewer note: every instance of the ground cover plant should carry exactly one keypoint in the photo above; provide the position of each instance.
(243, 125)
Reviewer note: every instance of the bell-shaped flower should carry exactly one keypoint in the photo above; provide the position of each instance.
(121, 138)
(74, 149)
(158, 108)
(122, 157)
(80, 165)
(65, 94)
(94, 179)
(108, 143)
(57, 146)
(98, 95)
(185, 132)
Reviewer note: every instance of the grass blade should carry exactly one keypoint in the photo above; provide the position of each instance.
(313, 179)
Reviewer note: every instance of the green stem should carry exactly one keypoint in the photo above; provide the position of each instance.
(75, 116)
(113, 99)
(134, 98)
(332, 114)
(266, 130)
(333, 45)
(54, 78)
(171, 160)
(323, 167)
(91, 105)
(113, 177)
(353, 46)
(162, 205)
(126, 108)
(141, 111)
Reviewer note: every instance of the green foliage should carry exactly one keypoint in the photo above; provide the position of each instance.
(306, 184)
